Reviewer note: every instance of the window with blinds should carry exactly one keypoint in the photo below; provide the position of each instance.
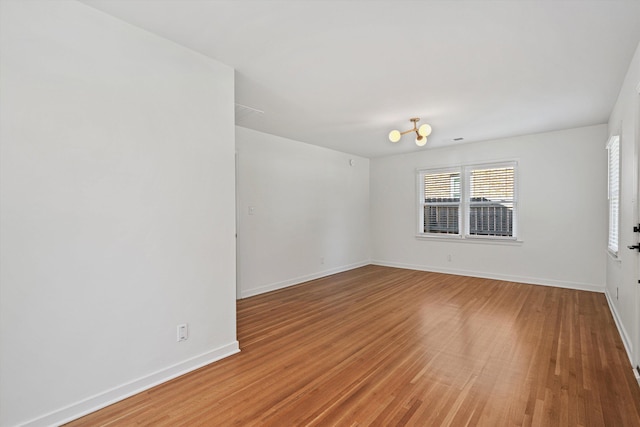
(441, 202)
(469, 202)
(491, 201)
(613, 151)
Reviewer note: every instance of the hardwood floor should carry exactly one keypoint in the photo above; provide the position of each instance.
(391, 347)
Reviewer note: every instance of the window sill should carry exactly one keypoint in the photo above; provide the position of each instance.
(614, 256)
(476, 240)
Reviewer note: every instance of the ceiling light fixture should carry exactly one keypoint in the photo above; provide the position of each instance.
(421, 133)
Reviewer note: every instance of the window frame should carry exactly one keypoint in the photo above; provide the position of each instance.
(422, 203)
(464, 205)
(613, 225)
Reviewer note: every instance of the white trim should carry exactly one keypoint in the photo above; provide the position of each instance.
(518, 279)
(491, 240)
(470, 163)
(121, 392)
(614, 256)
(626, 340)
(301, 279)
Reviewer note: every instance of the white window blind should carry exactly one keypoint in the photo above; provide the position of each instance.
(613, 149)
(491, 201)
(441, 202)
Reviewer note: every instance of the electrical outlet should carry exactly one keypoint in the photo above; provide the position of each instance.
(449, 257)
(321, 260)
(616, 292)
(183, 332)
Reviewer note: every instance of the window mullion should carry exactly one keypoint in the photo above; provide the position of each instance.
(464, 200)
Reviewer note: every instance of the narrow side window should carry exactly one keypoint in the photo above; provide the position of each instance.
(613, 154)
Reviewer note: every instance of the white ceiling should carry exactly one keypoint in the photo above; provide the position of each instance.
(342, 74)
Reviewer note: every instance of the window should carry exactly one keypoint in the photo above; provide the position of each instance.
(472, 201)
(441, 202)
(491, 195)
(613, 154)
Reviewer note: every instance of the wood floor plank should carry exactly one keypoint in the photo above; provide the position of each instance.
(385, 346)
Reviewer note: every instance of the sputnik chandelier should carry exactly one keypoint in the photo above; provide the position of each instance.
(421, 133)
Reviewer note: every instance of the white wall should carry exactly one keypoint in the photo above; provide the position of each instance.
(621, 274)
(562, 221)
(309, 204)
(117, 211)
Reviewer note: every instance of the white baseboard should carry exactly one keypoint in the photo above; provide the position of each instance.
(116, 394)
(519, 279)
(626, 340)
(297, 280)
(505, 277)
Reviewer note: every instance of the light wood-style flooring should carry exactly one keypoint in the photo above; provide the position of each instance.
(392, 347)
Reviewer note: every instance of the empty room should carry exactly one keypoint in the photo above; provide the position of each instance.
(319, 213)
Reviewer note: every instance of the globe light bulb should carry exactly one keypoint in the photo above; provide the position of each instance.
(394, 136)
(424, 130)
(421, 140)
